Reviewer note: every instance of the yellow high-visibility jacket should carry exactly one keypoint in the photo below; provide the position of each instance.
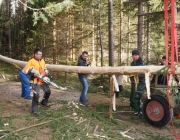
(37, 65)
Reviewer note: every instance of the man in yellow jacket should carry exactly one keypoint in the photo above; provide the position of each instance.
(37, 64)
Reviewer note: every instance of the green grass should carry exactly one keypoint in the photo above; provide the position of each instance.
(67, 127)
(176, 122)
(8, 68)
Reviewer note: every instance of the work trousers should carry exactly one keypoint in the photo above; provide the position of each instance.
(36, 90)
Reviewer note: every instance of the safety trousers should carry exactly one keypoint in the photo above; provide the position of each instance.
(137, 97)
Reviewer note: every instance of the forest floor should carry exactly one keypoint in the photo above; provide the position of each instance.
(69, 122)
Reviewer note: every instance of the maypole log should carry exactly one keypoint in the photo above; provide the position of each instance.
(126, 70)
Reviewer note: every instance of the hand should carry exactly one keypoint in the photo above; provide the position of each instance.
(47, 72)
(179, 83)
(88, 63)
(40, 76)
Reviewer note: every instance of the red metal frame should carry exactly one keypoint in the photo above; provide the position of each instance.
(174, 44)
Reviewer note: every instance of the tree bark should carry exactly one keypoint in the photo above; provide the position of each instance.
(126, 70)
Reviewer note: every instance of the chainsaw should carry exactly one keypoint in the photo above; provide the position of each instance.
(47, 80)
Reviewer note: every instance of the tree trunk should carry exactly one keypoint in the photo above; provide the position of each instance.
(82, 35)
(97, 45)
(54, 43)
(95, 70)
(9, 27)
(72, 50)
(140, 27)
(148, 39)
(44, 45)
(100, 32)
(93, 39)
(110, 23)
(67, 44)
(1, 28)
(22, 27)
(120, 37)
(128, 47)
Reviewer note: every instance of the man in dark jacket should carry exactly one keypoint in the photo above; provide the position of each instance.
(162, 80)
(83, 78)
(136, 93)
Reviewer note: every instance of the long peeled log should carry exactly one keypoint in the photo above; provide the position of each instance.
(94, 70)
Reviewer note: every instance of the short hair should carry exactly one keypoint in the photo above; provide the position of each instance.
(37, 50)
(84, 52)
(164, 57)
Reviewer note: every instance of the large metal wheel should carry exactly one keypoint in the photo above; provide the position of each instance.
(156, 111)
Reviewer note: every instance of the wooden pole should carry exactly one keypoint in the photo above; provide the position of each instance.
(111, 96)
(126, 70)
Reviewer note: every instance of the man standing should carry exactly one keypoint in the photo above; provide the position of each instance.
(37, 64)
(136, 93)
(83, 78)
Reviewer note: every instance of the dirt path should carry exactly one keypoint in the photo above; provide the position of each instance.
(13, 104)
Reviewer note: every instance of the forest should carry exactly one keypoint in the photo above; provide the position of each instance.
(108, 30)
(63, 29)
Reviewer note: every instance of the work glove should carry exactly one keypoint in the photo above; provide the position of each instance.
(47, 72)
(88, 63)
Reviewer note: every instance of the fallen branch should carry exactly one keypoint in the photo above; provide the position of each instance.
(122, 112)
(24, 128)
(94, 132)
(114, 112)
(3, 76)
(81, 121)
(118, 120)
(124, 134)
(97, 136)
(73, 103)
(87, 126)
